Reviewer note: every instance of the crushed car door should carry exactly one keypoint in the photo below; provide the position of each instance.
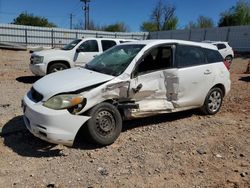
(155, 82)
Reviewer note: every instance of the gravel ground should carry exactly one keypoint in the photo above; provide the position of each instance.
(176, 150)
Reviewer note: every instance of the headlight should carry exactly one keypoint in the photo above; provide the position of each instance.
(36, 59)
(66, 102)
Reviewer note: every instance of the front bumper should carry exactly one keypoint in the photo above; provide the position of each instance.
(38, 69)
(55, 126)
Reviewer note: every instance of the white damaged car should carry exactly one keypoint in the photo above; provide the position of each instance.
(131, 80)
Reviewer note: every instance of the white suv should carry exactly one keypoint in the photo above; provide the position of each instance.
(131, 80)
(225, 49)
(78, 52)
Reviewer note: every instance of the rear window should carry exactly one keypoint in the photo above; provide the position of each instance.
(187, 56)
(106, 44)
(221, 46)
(213, 56)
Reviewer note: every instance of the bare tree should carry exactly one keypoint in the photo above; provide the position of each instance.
(163, 17)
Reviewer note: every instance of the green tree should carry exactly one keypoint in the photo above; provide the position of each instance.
(31, 20)
(117, 27)
(202, 22)
(171, 24)
(162, 18)
(148, 26)
(191, 25)
(236, 15)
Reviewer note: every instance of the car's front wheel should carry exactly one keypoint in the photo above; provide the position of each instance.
(213, 101)
(105, 124)
(55, 67)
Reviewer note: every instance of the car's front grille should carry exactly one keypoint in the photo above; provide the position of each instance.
(36, 96)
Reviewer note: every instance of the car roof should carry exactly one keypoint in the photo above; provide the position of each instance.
(171, 41)
(215, 42)
(100, 38)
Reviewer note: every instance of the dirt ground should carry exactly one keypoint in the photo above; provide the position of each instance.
(176, 150)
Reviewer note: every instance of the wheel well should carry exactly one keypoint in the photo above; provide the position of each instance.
(229, 56)
(221, 86)
(54, 62)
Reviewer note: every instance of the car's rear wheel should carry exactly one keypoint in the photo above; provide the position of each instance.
(229, 59)
(55, 67)
(213, 101)
(105, 124)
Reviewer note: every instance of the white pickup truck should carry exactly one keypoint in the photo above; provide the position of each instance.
(76, 53)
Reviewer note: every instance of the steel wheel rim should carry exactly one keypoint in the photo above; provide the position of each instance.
(57, 69)
(214, 101)
(105, 123)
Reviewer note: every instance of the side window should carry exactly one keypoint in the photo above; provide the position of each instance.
(157, 59)
(187, 56)
(89, 46)
(221, 46)
(213, 56)
(106, 44)
(123, 41)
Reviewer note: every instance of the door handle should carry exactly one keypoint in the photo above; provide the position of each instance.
(207, 72)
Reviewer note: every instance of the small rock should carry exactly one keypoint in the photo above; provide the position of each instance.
(243, 174)
(201, 151)
(201, 171)
(242, 155)
(218, 156)
(51, 185)
(4, 105)
(157, 170)
(102, 171)
(50, 158)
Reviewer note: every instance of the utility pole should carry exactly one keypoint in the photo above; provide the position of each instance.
(71, 20)
(86, 13)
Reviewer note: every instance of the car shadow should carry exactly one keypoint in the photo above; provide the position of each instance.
(17, 137)
(82, 142)
(28, 79)
(245, 79)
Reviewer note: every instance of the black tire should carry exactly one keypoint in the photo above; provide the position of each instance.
(55, 67)
(105, 124)
(213, 101)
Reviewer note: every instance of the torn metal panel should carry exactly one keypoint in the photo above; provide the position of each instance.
(116, 90)
(172, 85)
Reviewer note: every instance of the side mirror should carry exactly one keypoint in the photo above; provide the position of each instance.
(78, 50)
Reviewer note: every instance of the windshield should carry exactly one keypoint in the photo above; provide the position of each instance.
(71, 45)
(115, 60)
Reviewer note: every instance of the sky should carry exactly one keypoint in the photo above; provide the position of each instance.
(103, 12)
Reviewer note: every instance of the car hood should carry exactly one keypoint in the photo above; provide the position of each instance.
(68, 81)
(49, 52)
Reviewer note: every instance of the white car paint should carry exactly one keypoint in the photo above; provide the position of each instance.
(71, 57)
(163, 91)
